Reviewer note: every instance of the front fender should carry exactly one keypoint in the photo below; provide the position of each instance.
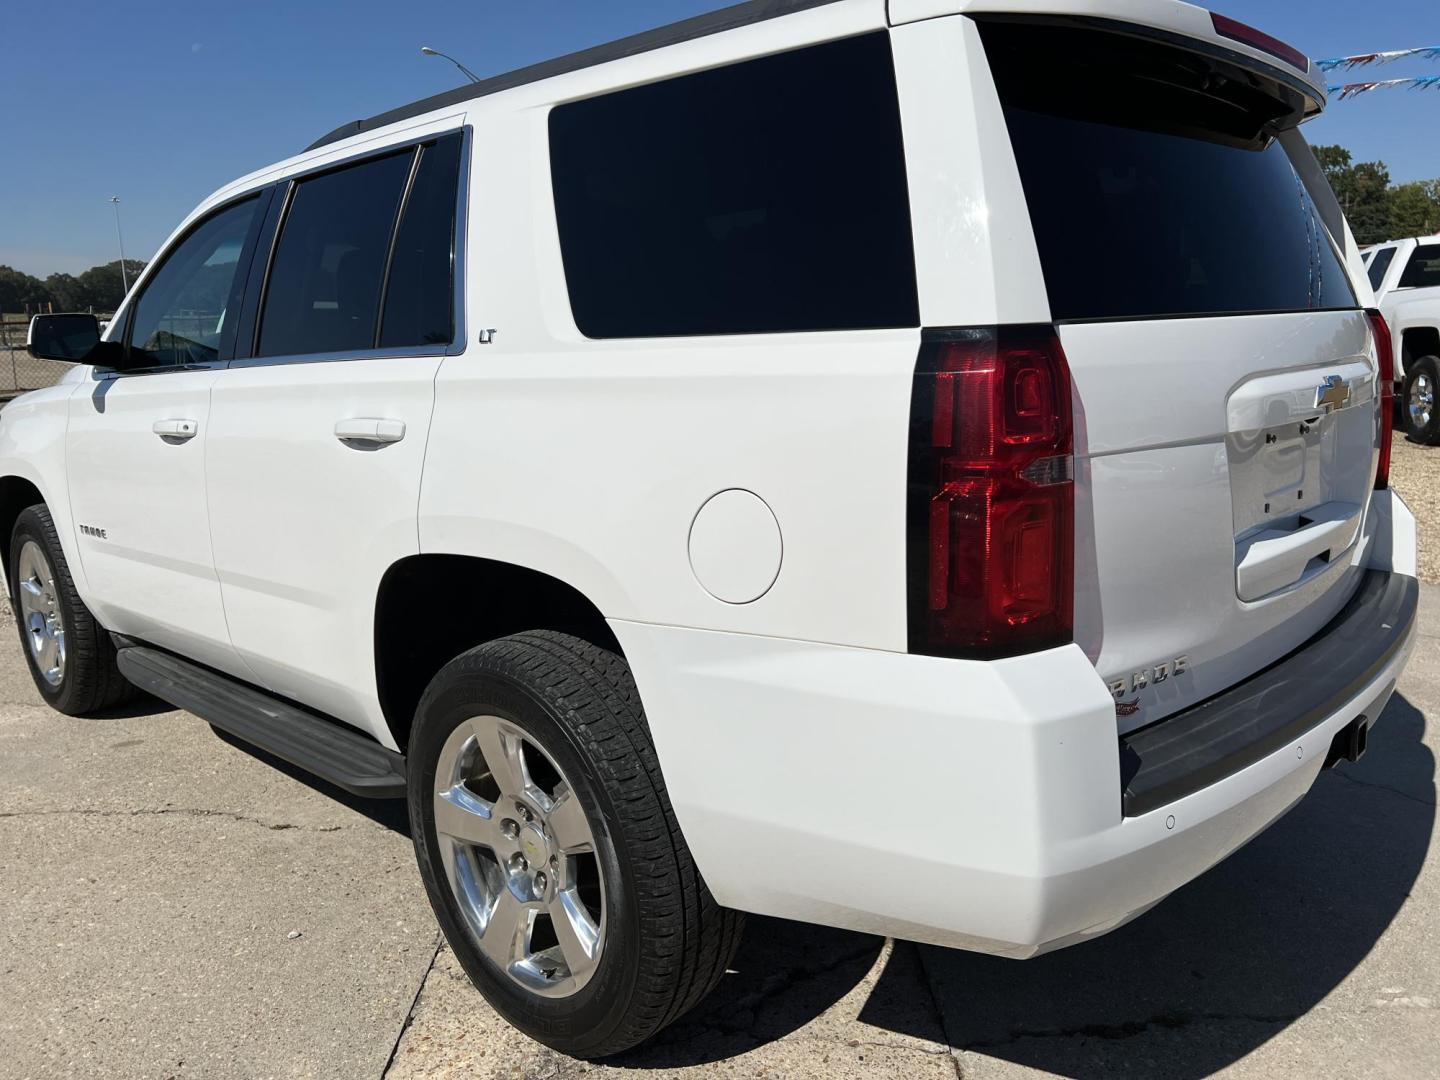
(32, 448)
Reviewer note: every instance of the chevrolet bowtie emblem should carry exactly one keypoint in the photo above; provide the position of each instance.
(1333, 393)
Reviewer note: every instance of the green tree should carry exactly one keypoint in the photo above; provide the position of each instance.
(66, 292)
(1414, 209)
(1333, 159)
(1363, 191)
(19, 290)
(102, 286)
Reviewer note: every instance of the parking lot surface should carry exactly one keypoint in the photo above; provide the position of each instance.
(177, 906)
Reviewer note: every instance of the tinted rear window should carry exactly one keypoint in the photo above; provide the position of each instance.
(324, 289)
(420, 293)
(1378, 265)
(1423, 269)
(1151, 192)
(765, 196)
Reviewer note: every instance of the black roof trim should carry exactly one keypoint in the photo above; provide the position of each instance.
(713, 22)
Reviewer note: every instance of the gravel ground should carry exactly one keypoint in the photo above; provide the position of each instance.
(1415, 474)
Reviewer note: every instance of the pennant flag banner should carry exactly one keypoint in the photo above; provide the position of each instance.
(1427, 52)
(1349, 90)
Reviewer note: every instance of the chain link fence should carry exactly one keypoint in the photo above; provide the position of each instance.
(19, 371)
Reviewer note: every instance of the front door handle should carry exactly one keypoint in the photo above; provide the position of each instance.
(175, 430)
(367, 429)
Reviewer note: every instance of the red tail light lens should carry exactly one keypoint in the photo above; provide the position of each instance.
(1385, 353)
(991, 500)
(1258, 39)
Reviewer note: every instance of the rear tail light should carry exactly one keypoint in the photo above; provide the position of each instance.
(1385, 354)
(991, 495)
(1258, 39)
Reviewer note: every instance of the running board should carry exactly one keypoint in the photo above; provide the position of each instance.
(327, 748)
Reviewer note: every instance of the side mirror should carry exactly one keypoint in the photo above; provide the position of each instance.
(74, 339)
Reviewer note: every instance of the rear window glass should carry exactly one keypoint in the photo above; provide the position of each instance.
(420, 292)
(1153, 187)
(324, 289)
(1423, 269)
(761, 197)
(1379, 263)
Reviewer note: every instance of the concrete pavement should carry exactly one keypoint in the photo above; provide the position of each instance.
(177, 906)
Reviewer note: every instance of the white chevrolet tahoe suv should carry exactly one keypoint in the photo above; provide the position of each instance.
(809, 448)
(1405, 275)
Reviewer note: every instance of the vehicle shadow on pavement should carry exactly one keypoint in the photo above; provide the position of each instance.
(141, 704)
(785, 976)
(1230, 960)
(391, 813)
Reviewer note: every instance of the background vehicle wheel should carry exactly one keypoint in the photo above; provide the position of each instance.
(1422, 410)
(71, 656)
(549, 849)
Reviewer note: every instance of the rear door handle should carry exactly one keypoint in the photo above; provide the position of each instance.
(370, 430)
(175, 429)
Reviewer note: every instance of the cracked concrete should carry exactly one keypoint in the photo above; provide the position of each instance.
(183, 811)
(151, 873)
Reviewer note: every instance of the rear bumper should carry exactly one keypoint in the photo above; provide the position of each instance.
(1193, 749)
(970, 804)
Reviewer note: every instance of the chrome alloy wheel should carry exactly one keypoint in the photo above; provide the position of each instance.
(40, 612)
(1421, 401)
(519, 856)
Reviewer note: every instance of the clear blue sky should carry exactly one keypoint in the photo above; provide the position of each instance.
(162, 102)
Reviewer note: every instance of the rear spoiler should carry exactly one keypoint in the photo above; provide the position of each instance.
(1180, 24)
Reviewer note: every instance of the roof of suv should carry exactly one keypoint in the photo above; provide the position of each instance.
(713, 22)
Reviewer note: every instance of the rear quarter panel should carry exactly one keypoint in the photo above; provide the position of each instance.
(588, 460)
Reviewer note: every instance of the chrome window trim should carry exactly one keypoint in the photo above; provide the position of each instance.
(341, 356)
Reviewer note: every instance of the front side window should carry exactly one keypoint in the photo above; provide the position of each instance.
(1423, 269)
(767, 196)
(1380, 262)
(182, 315)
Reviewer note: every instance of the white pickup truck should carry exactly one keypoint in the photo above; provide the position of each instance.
(918, 467)
(1405, 275)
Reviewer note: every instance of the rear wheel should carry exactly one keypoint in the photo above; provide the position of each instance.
(549, 849)
(71, 656)
(1422, 416)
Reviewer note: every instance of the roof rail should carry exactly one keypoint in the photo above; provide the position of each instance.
(713, 22)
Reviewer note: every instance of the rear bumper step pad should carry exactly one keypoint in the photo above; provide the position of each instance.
(1202, 745)
(343, 756)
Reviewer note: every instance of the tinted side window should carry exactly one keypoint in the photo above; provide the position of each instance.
(765, 196)
(1423, 269)
(1378, 265)
(420, 295)
(323, 294)
(182, 314)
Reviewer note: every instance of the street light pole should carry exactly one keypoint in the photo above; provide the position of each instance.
(463, 69)
(124, 277)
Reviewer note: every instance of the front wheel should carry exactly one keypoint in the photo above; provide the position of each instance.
(1421, 416)
(70, 655)
(549, 848)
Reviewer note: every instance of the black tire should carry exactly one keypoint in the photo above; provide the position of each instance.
(667, 943)
(90, 681)
(1422, 376)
